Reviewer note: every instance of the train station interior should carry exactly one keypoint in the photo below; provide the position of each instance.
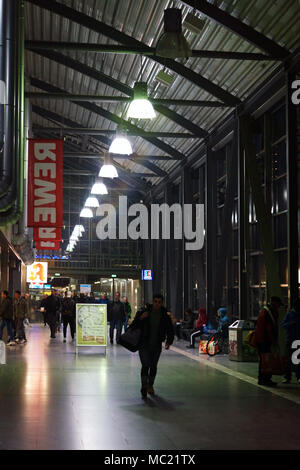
(149, 152)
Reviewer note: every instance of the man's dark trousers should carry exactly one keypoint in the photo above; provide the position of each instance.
(118, 325)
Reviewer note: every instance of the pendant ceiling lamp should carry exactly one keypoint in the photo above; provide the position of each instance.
(140, 107)
(108, 170)
(86, 212)
(172, 42)
(91, 202)
(121, 144)
(99, 188)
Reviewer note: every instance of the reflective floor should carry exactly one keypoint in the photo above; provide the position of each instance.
(51, 399)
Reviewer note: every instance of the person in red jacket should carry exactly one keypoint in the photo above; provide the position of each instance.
(266, 336)
(201, 321)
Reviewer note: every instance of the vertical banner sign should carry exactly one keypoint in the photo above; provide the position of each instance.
(45, 183)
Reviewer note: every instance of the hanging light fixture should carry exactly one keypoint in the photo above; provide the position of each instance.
(120, 144)
(140, 107)
(99, 188)
(172, 42)
(91, 202)
(86, 212)
(108, 170)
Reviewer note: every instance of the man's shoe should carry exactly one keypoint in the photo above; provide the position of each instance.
(17, 340)
(23, 341)
(111, 341)
(11, 343)
(144, 392)
(64, 340)
(150, 390)
(286, 381)
(190, 346)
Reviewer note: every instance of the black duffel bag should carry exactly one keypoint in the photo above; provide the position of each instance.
(131, 339)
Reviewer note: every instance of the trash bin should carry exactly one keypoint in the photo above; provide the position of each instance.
(238, 349)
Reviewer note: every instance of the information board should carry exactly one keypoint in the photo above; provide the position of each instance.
(91, 325)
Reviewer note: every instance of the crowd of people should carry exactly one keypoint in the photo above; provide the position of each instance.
(157, 325)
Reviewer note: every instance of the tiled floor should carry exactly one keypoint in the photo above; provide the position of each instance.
(51, 399)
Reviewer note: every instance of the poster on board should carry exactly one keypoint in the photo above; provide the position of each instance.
(91, 325)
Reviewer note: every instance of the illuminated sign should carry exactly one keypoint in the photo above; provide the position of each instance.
(147, 275)
(37, 273)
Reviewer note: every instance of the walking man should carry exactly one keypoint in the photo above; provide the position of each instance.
(156, 326)
(51, 307)
(127, 312)
(116, 317)
(20, 311)
(6, 317)
(68, 312)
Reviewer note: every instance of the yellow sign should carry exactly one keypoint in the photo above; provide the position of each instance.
(91, 325)
(37, 273)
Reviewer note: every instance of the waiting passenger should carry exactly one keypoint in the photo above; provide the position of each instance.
(184, 327)
(291, 324)
(266, 337)
(104, 299)
(223, 321)
(198, 331)
(116, 317)
(156, 326)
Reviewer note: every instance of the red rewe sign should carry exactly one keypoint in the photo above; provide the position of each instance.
(47, 233)
(45, 183)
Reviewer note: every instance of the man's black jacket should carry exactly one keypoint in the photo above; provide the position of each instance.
(116, 311)
(166, 329)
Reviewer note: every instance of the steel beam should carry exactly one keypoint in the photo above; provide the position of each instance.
(122, 99)
(146, 51)
(123, 88)
(93, 131)
(118, 36)
(293, 191)
(111, 117)
(238, 27)
(136, 157)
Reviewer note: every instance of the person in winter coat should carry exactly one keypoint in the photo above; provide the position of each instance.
(68, 313)
(291, 324)
(266, 336)
(127, 312)
(52, 306)
(223, 321)
(198, 331)
(156, 327)
(20, 312)
(116, 316)
(183, 327)
(6, 317)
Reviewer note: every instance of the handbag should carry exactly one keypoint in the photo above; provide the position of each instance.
(131, 339)
(250, 339)
(273, 363)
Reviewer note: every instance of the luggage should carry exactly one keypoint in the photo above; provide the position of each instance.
(131, 339)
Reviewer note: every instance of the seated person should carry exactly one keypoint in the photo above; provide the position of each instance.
(183, 325)
(200, 324)
(223, 321)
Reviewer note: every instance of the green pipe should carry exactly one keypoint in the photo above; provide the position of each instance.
(16, 210)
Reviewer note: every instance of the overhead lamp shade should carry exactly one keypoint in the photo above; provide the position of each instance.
(108, 170)
(91, 202)
(78, 230)
(140, 107)
(86, 212)
(120, 145)
(172, 42)
(99, 188)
